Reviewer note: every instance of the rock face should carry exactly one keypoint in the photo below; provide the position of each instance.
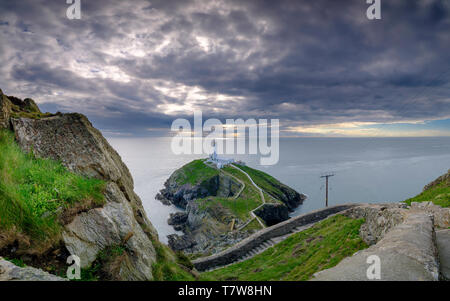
(179, 243)
(291, 198)
(11, 272)
(180, 195)
(380, 219)
(202, 229)
(71, 139)
(178, 220)
(273, 213)
(5, 111)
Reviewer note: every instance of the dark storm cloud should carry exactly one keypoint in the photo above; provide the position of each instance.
(132, 66)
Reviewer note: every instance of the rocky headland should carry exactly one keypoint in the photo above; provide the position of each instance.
(223, 206)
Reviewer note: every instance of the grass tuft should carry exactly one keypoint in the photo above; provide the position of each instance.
(35, 192)
(438, 194)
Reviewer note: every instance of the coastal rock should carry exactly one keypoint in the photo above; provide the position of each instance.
(11, 272)
(272, 213)
(72, 140)
(180, 195)
(92, 231)
(380, 219)
(5, 111)
(178, 220)
(178, 243)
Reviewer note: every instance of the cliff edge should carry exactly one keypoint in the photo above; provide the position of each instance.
(121, 222)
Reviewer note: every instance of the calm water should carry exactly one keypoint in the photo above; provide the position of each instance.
(366, 169)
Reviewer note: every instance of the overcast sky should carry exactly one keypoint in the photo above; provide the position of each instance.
(319, 66)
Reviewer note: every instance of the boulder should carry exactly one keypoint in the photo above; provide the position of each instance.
(178, 243)
(11, 272)
(178, 218)
(380, 219)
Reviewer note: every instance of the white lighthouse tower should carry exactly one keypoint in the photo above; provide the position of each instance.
(216, 160)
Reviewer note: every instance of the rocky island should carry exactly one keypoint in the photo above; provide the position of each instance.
(223, 205)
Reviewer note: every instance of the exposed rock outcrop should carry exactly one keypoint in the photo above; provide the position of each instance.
(291, 198)
(180, 195)
(272, 213)
(380, 219)
(5, 111)
(11, 272)
(71, 139)
(178, 220)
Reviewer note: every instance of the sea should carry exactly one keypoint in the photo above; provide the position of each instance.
(365, 170)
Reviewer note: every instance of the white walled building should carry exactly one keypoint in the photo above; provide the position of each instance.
(219, 162)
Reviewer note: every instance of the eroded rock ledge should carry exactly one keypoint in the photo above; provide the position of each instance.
(11, 272)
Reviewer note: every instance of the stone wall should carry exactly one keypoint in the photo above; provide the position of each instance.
(233, 253)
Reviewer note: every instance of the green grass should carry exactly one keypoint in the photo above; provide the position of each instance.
(171, 269)
(299, 256)
(34, 192)
(17, 262)
(239, 207)
(439, 195)
(194, 173)
(248, 200)
(266, 182)
(253, 225)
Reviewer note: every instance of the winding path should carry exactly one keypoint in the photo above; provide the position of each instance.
(261, 193)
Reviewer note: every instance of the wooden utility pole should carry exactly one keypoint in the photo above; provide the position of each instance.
(326, 187)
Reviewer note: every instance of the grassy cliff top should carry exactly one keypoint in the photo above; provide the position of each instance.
(194, 173)
(439, 194)
(35, 194)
